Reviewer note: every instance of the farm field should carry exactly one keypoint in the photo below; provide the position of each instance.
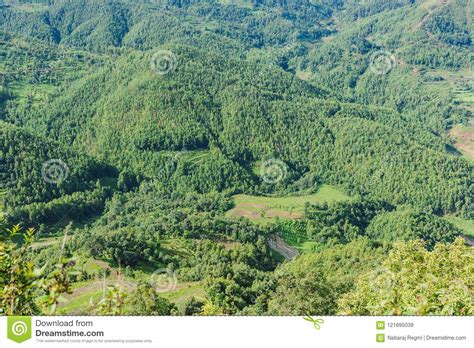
(463, 137)
(184, 292)
(460, 84)
(87, 292)
(92, 291)
(264, 209)
(466, 225)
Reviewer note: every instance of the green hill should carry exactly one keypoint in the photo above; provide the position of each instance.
(161, 127)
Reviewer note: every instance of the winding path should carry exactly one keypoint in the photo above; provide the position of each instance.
(280, 246)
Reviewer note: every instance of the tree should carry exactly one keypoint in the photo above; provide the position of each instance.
(416, 281)
(25, 289)
(146, 301)
(113, 302)
(193, 306)
(313, 283)
(17, 275)
(410, 223)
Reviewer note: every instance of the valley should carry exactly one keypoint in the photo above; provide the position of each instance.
(236, 157)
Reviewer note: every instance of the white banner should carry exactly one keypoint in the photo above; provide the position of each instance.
(218, 332)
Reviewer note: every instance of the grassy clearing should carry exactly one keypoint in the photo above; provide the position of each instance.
(87, 293)
(42, 243)
(80, 303)
(464, 224)
(90, 292)
(184, 292)
(463, 138)
(195, 157)
(264, 209)
(296, 203)
(460, 84)
(304, 75)
(305, 247)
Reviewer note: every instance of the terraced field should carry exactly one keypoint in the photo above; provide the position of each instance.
(92, 291)
(263, 209)
(461, 85)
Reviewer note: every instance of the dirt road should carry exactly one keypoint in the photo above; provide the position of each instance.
(279, 245)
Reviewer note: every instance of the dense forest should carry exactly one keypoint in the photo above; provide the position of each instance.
(248, 157)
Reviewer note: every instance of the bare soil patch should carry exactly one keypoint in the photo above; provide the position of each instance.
(463, 139)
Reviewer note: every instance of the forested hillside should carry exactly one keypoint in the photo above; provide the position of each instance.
(127, 128)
